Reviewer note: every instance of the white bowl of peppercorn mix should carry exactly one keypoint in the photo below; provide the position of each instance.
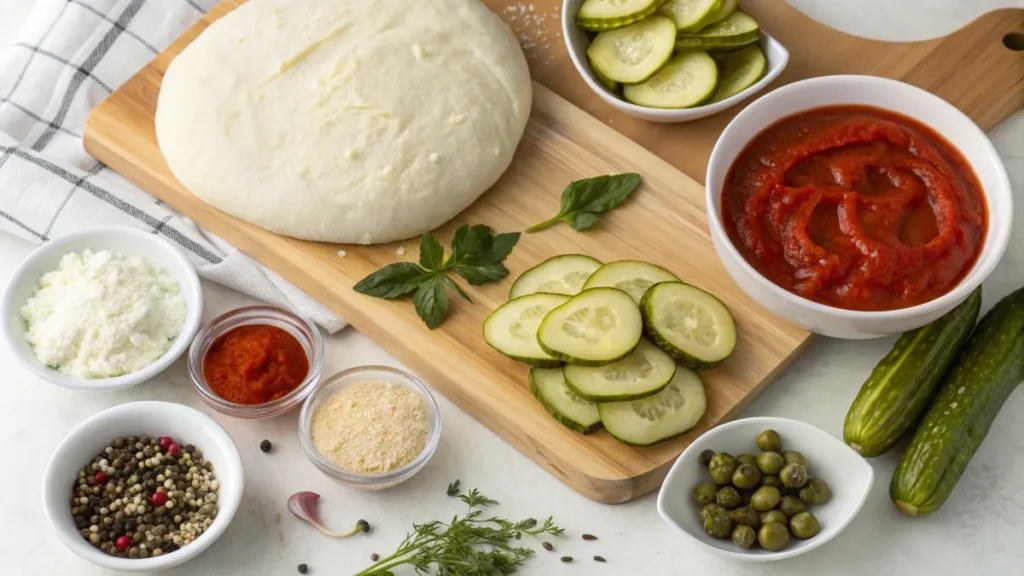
(189, 470)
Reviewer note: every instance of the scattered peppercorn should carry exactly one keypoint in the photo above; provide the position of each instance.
(100, 477)
(303, 568)
(265, 446)
(547, 546)
(374, 557)
(567, 559)
(599, 559)
(589, 537)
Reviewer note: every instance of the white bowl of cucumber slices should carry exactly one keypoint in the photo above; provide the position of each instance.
(670, 60)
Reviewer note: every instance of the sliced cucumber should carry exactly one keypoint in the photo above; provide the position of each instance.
(641, 374)
(687, 80)
(667, 414)
(740, 70)
(605, 81)
(594, 328)
(564, 274)
(691, 325)
(607, 14)
(737, 30)
(691, 15)
(548, 385)
(631, 276)
(633, 53)
(512, 328)
(723, 12)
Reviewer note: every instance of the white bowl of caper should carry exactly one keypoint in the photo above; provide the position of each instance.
(764, 489)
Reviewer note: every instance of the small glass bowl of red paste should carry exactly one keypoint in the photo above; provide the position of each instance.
(256, 362)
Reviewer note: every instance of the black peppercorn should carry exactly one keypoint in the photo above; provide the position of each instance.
(265, 446)
(303, 568)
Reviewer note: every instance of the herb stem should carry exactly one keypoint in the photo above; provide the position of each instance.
(544, 224)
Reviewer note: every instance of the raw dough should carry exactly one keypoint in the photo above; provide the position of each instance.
(345, 120)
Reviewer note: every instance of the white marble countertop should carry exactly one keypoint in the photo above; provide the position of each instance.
(978, 531)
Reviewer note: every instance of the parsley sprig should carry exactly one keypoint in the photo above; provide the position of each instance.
(477, 255)
(471, 545)
(583, 201)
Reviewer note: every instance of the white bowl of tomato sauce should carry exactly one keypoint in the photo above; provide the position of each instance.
(856, 206)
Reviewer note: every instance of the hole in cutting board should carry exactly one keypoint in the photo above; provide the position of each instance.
(1014, 41)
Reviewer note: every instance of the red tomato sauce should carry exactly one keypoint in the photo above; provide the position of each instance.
(855, 207)
(255, 364)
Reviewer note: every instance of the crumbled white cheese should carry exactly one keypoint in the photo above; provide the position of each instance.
(103, 314)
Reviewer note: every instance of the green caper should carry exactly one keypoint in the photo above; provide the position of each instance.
(746, 459)
(745, 515)
(790, 456)
(773, 536)
(791, 505)
(709, 510)
(770, 462)
(769, 440)
(793, 475)
(774, 516)
(804, 525)
(816, 491)
(705, 457)
(704, 493)
(766, 498)
(721, 467)
(718, 526)
(771, 481)
(746, 476)
(743, 536)
(728, 498)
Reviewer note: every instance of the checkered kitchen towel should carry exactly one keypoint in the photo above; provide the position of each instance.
(67, 58)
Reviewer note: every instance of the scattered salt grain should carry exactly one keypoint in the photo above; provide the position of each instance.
(400, 251)
(342, 253)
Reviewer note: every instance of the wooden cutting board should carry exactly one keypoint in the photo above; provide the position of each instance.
(665, 223)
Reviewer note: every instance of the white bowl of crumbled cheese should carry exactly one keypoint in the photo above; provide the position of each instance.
(102, 309)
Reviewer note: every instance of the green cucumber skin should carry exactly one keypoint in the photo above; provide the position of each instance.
(652, 334)
(567, 422)
(641, 445)
(619, 398)
(603, 25)
(988, 369)
(898, 391)
(569, 359)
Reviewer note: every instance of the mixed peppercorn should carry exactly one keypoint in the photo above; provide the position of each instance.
(143, 497)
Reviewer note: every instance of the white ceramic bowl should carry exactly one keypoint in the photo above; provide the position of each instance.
(121, 239)
(577, 41)
(153, 419)
(846, 472)
(892, 95)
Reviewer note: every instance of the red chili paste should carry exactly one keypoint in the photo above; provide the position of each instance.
(855, 207)
(254, 364)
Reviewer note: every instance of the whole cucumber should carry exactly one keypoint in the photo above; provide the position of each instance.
(987, 370)
(901, 385)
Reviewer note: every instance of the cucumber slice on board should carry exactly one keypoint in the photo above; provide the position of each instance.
(641, 374)
(548, 386)
(667, 414)
(689, 79)
(691, 325)
(723, 12)
(512, 328)
(633, 53)
(691, 15)
(740, 70)
(631, 276)
(564, 274)
(736, 31)
(594, 328)
(608, 14)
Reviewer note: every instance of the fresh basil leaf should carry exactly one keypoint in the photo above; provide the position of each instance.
(431, 252)
(592, 196)
(455, 286)
(470, 242)
(479, 275)
(393, 280)
(431, 301)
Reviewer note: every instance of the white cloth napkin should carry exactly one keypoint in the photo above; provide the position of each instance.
(68, 57)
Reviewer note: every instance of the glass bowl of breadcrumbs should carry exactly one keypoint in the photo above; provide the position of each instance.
(370, 427)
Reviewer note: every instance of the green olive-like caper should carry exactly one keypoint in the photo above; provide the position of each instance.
(774, 516)
(743, 536)
(728, 498)
(771, 481)
(791, 505)
(712, 510)
(816, 491)
(746, 477)
(773, 536)
(790, 456)
(746, 459)
(721, 467)
(765, 498)
(704, 493)
(745, 515)
(769, 463)
(769, 440)
(718, 526)
(705, 457)
(793, 475)
(804, 525)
